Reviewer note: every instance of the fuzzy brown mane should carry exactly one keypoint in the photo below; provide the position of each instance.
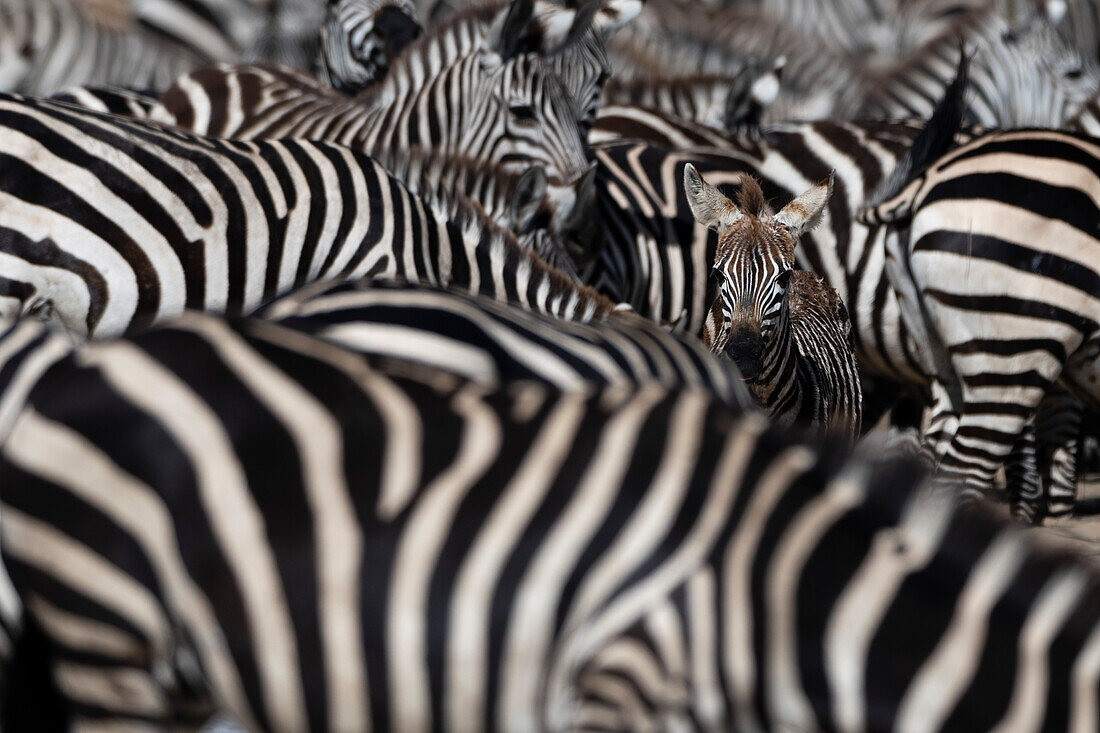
(750, 198)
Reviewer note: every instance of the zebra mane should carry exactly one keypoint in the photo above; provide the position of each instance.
(935, 139)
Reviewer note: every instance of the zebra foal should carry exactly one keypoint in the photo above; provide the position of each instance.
(787, 331)
(409, 550)
(108, 224)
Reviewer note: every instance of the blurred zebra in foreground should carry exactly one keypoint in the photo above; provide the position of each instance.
(340, 545)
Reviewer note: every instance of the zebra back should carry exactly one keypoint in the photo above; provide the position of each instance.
(398, 548)
(492, 343)
(145, 222)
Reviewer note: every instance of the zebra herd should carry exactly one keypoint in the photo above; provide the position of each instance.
(538, 365)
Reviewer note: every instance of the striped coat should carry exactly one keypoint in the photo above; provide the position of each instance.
(108, 224)
(337, 546)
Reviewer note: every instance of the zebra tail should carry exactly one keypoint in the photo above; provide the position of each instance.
(893, 199)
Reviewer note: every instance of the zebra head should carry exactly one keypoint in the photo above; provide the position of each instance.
(517, 112)
(1027, 74)
(753, 264)
(360, 38)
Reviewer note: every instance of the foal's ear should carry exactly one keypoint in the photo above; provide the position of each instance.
(709, 206)
(804, 213)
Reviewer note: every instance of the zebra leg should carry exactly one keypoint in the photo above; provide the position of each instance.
(1059, 423)
(939, 424)
(1022, 483)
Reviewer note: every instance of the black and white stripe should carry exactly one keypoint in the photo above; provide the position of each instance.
(999, 235)
(360, 38)
(514, 559)
(109, 224)
(456, 88)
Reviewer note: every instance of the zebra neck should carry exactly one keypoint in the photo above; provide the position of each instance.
(393, 118)
(779, 387)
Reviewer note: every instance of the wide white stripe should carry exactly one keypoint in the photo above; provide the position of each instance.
(738, 653)
(471, 620)
(529, 636)
(1029, 696)
(235, 519)
(894, 554)
(787, 701)
(943, 678)
(56, 453)
(339, 542)
(417, 557)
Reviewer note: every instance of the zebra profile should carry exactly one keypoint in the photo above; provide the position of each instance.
(109, 224)
(787, 332)
(520, 558)
(469, 85)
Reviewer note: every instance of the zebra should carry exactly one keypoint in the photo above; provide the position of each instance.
(109, 224)
(494, 343)
(1042, 469)
(1022, 73)
(518, 203)
(360, 38)
(47, 45)
(672, 41)
(731, 104)
(468, 85)
(787, 332)
(996, 231)
(519, 558)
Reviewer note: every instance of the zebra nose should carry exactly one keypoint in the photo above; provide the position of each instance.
(745, 348)
(396, 28)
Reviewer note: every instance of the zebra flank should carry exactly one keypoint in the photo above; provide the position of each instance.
(143, 223)
(507, 559)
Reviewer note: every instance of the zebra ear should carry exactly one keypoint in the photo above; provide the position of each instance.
(804, 213)
(708, 205)
(614, 14)
(510, 31)
(539, 26)
(527, 197)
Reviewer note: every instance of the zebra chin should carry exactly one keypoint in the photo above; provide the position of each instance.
(745, 348)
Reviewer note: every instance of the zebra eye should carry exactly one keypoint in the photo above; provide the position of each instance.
(1074, 74)
(523, 114)
(784, 278)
